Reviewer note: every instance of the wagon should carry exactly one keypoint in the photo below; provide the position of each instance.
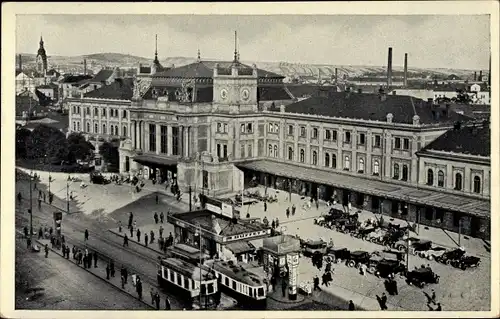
(422, 276)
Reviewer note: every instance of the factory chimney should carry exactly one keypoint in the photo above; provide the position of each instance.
(336, 75)
(405, 81)
(84, 66)
(20, 62)
(480, 76)
(389, 68)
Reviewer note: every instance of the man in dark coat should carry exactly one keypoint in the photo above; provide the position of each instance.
(107, 271)
(167, 304)
(138, 235)
(316, 283)
(152, 237)
(161, 217)
(125, 241)
(155, 216)
(46, 250)
(351, 305)
(146, 239)
(138, 288)
(112, 268)
(86, 235)
(265, 206)
(95, 259)
(157, 300)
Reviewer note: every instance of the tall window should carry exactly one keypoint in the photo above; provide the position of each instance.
(378, 141)
(458, 181)
(405, 173)
(315, 158)
(249, 154)
(347, 139)
(163, 139)
(78, 126)
(275, 150)
(430, 177)
(315, 133)
(88, 127)
(440, 179)
(205, 179)
(249, 128)
(361, 167)
(334, 135)
(328, 135)
(117, 133)
(376, 167)
(124, 130)
(397, 143)
(347, 162)
(302, 156)
(302, 131)
(406, 144)
(290, 153)
(224, 148)
(327, 160)
(477, 184)
(290, 129)
(96, 128)
(124, 114)
(334, 161)
(361, 140)
(175, 141)
(271, 128)
(270, 149)
(219, 151)
(219, 127)
(103, 113)
(74, 126)
(96, 111)
(152, 137)
(111, 129)
(242, 128)
(396, 171)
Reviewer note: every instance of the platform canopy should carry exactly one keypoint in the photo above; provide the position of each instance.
(152, 160)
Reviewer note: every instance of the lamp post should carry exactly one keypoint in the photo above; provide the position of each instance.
(408, 243)
(31, 208)
(67, 194)
(459, 230)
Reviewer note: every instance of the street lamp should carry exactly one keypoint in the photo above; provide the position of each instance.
(31, 209)
(67, 194)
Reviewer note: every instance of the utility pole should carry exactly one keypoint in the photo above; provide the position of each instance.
(418, 220)
(31, 208)
(199, 233)
(190, 208)
(408, 243)
(67, 194)
(459, 230)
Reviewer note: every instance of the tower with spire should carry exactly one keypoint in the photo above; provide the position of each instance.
(41, 58)
(156, 66)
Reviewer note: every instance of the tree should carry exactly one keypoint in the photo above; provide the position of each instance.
(109, 153)
(47, 141)
(78, 148)
(22, 137)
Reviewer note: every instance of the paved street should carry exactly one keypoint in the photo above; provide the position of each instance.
(66, 286)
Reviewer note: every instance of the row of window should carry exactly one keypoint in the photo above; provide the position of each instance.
(458, 181)
(222, 128)
(164, 139)
(221, 150)
(112, 112)
(186, 282)
(113, 129)
(246, 128)
(243, 148)
(241, 288)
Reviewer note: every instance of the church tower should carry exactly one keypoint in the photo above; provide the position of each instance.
(41, 58)
(156, 66)
(235, 87)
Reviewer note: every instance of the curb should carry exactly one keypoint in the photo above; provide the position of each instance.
(56, 252)
(135, 242)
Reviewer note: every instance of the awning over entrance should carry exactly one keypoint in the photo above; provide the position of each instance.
(155, 160)
(414, 195)
(239, 247)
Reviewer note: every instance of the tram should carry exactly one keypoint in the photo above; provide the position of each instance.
(183, 278)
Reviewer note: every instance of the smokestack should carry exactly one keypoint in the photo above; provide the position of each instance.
(84, 66)
(481, 76)
(336, 75)
(20, 62)
(475, 76)
(405, 82)
(389, 68)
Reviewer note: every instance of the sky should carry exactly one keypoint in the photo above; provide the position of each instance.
(431, 41)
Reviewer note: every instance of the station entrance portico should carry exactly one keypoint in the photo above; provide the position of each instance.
(426, 207)
(159, 169)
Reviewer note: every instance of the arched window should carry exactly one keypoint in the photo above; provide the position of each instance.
(327, 160)
(396, 171)
(270, 150)
(315, 158)
(347, 163)
(275, 151)
(477, 184)
(88, 127)
(124, 130)
(111, 129)
(104, 129)
(116, 129)
(96, 111)
(405, 173)
(430, 177)
(290, 153)
(376, 167)
(458, 181)
(124, 114)
(361, 167)
(440, 178)
(96, 128)
(74, 126)
(334, 161)
(302, 156)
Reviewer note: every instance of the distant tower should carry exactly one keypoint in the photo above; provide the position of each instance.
(84, 66)
(406, 71)
(236, 55)
(199, 56)
(156, 67)
(41, 58)
(389, 68)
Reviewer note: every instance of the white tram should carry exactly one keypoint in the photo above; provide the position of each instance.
(184, 278)
(246, 287)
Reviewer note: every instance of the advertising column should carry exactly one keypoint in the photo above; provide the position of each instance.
(293, 263)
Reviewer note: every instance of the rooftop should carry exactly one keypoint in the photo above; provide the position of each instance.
(102, 76)
(369, 106)
(233, 270)
(469, 140)
(120, 89)
(75, 78)
(185, 268)
(282, 244)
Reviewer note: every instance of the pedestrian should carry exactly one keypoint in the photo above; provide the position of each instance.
(157, 199)
(277, 222)
(139, 289)
(283, 288)
(44, 198)
(161, 231)
(28, 243)
(107, 271)
(160, 243)
(161, 217)
(135, 224)
(153, 295)
(119, 226)
(394, 286)
(25, 229)
(384, 301)
(39, 203)
(122, 278)
(157, 299)
(138, 235)
(273, 224)
(46, 250)
(125, 241)
(146, 239)
(95, 259)
(134, 280)
(170, 239)
(316, 283)
(51, 231)
(40, 233)
(155, 216)
(74, 252)
(351, 305)
(131, 232)
(433, 296)
(86, 235)
(167, 303)
(293, 209)
(67, 252)
(288, 212)
(152, 236)
(265, 221)
(112, 268)
(125, 274)
(63, 240)
(130, 219)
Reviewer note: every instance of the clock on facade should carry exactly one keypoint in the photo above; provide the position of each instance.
(223, 94)
(245, 94)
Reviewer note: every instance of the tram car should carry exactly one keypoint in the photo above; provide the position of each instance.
(247, 288)
(183, 278)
